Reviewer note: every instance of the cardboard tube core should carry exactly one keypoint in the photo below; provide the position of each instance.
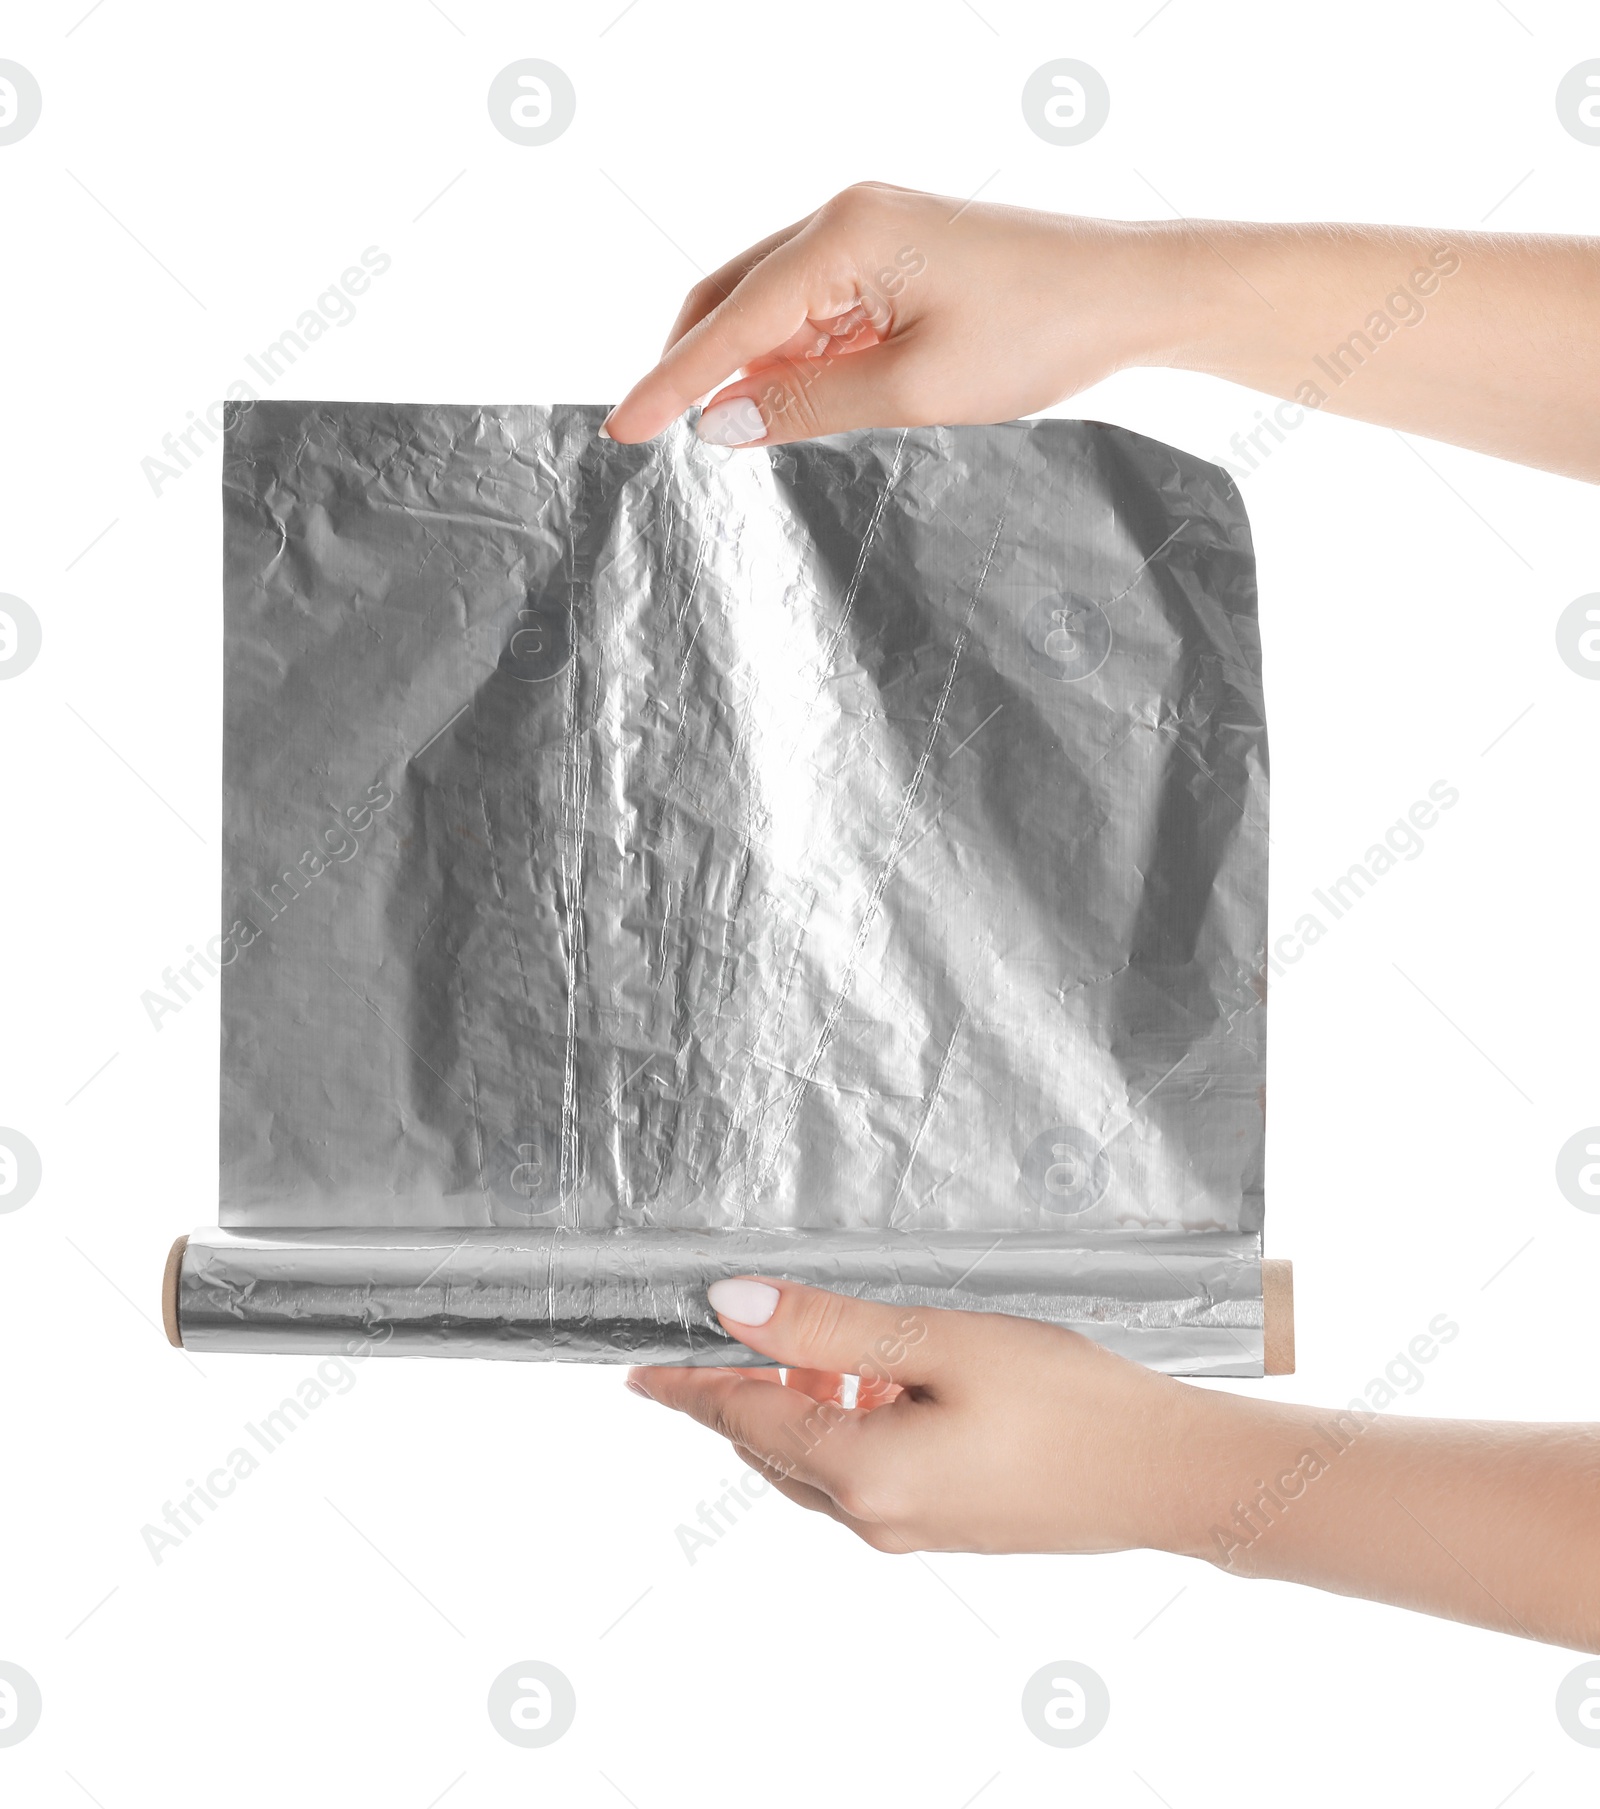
(169, 1293)
(1277, 1312)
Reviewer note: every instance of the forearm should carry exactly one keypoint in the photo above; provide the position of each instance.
(1494, 1524)
(887, 307)
(1488, 340)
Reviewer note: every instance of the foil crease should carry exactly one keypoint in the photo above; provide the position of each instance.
(844, 861)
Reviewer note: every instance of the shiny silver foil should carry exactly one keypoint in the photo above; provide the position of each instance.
(843, 861)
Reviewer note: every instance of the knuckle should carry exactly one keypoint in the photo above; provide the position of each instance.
(853, 1502)
(713, 1407)
(889, 1543)
(878, 1500)
(818, 1321)
(790, 406)
(871, 204)
(886, 1539)
(859, 201)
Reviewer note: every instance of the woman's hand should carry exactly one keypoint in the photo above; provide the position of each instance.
(889, 308)
(981, 1432)
(988, 1433)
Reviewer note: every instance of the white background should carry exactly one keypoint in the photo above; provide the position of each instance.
(199, 175)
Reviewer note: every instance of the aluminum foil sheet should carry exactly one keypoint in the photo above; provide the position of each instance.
(843, 861)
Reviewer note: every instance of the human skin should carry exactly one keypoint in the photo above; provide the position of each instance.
(995, 1434)
(888, 308)
(980, 1432)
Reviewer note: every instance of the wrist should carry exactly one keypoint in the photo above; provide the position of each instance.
(1105, 295)
(1207, 306)
(1163, 287)
(1215, 1444)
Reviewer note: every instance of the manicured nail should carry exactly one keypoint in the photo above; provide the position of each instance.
(637, 1386)
(604, 429)
(735, 423)
(744, 1302)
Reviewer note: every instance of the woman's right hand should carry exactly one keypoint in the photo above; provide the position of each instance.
(890, 308)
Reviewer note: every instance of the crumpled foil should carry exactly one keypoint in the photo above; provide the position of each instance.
(842, 861)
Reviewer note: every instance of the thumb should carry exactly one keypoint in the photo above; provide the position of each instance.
(799, 399)
(808, 1328)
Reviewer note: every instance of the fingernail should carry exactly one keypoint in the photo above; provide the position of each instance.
(735, 423)
(744, 1302)
(604, 429)
(637, 1386)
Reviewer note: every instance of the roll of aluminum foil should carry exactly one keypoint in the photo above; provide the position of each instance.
(642, 864)
(639, 1296)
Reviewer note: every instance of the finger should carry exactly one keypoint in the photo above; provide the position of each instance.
(828, 1385)
(825, 1385)
(852, 331)
(799, 399)
(712, 290)
(803, 1494)
(870, 1528)
(768, 1372)
(809, 277)
(820, 1384)
(810, 1440)
(808, 1328)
